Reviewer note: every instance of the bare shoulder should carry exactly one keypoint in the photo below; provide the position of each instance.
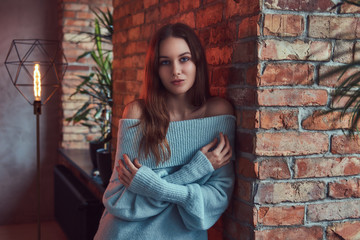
(133, 110)
(218, 106)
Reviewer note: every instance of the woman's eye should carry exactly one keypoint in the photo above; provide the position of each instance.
(184, 59)
(164, 62)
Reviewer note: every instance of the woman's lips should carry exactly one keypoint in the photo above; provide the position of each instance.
(177, 81)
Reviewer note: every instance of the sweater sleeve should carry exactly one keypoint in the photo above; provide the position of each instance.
(200, 205)
(129, 206)
(135, 207)
(198, 167)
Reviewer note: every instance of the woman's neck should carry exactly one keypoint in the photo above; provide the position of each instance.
(180, 108)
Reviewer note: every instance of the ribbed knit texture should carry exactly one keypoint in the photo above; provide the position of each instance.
(178, 199)
(185, 138)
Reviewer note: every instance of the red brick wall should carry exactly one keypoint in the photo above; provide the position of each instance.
(307, 171)
(77, 18)
(297, 175)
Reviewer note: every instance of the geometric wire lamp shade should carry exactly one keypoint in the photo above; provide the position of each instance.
(36, 68)
(20, 63)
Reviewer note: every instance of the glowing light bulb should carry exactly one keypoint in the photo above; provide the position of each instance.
(37, 83)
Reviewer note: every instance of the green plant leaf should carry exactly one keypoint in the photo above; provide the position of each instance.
(85, 54)
(97, 84)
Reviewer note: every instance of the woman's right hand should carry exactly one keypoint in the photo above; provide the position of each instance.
(127, 170)
(220, 154)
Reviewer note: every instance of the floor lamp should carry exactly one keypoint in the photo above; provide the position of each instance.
(36, 67)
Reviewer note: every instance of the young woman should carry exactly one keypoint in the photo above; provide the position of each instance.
(173, 177)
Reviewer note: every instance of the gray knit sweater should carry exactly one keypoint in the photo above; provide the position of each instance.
(178, 199)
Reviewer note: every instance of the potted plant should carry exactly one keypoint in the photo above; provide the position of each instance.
(96, 112)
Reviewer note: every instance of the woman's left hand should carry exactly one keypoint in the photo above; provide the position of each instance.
(127, 172)
(220, 153)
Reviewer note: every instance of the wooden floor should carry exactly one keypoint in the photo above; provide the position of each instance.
(49, 231)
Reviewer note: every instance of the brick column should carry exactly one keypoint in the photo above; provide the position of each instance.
(307, 171)
(297, 175)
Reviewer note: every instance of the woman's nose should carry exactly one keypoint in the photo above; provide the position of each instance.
(176, 69)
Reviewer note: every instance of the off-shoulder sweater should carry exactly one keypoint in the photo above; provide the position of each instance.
(179, 198)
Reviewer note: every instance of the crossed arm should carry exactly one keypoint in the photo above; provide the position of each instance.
(217, 154)
(142, 193)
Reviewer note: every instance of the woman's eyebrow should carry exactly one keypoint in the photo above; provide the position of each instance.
(182, 54)
(185, 53)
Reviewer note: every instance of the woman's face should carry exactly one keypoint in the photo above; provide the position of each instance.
(176, 68)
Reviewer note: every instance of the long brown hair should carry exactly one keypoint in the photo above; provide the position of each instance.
(155, 117)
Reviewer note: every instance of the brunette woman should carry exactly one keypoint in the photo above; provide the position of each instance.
(173, 175)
